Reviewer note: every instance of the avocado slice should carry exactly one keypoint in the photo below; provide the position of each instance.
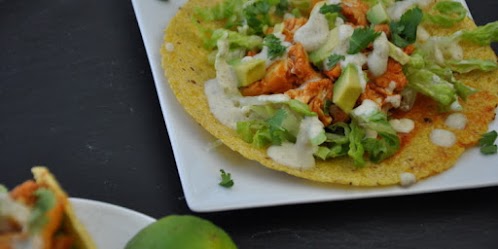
(377, 14)
(398, 54)
(249, 71)
(347, 88)
(317, 56)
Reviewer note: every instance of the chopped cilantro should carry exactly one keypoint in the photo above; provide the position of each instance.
(275, 47)
(261, 14)
(404, 32)
(330, 8)
(226, 179)
(282, 7)
(334, 59)
(487, 143)
(361, 38)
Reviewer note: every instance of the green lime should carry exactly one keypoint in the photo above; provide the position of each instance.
(181, 231)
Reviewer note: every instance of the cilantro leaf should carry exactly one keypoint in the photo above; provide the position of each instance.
(334, 59)
(226, 179)
(275, 47)
(262, 14)
(361, 38)
(487, 143)
(489, 149)
(330, 8)
(404, 32)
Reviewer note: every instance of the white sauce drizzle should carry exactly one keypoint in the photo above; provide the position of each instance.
(399, 8)
(377, 60)
(264, 99)
(422, 34)
(334, 1)
(404, 125)
(456, 121)
(443, 138)
(407, 179)
(456, 106)
(300, 154)
(223, 107)
(313, 34)
(367, 108)
(395, 100)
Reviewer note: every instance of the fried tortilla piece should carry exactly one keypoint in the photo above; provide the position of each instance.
(186, 68)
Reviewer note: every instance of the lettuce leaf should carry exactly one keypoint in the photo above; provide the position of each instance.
(447, 13)
(229, 11)
(465, 66)
(356, 150)
(279, 128)
(235, 39)
(45, 201)
(482, 35)
(381, 148)
(432, 85)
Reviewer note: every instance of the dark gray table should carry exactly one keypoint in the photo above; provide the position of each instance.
(76, 94)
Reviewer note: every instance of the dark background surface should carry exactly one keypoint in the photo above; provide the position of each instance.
(77, 95)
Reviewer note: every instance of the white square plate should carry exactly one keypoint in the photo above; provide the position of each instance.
(255, 185)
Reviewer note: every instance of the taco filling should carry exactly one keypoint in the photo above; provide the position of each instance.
(339, 83)
(37, 215)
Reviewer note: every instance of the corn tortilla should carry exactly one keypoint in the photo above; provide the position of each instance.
(186, 67)
(71, 224)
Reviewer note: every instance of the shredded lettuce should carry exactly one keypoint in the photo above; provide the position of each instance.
(228, 11)
(336, 143)
(381, 148)
(438, 49)
(482, 35)
(235, 39)
(447, 13)
(465, 66)
(300, 107)
(45, 201)
(356, 150)
(432, 85)
(387, 142)
(462, 90)
(282, 125)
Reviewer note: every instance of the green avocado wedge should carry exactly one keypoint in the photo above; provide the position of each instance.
(181, 231)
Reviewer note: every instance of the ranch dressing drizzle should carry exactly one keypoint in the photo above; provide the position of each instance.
(300, 154)
(443, 138)
(222, 93)
(223, 107)
(314, 32)
(377, 60)
(399, 8)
